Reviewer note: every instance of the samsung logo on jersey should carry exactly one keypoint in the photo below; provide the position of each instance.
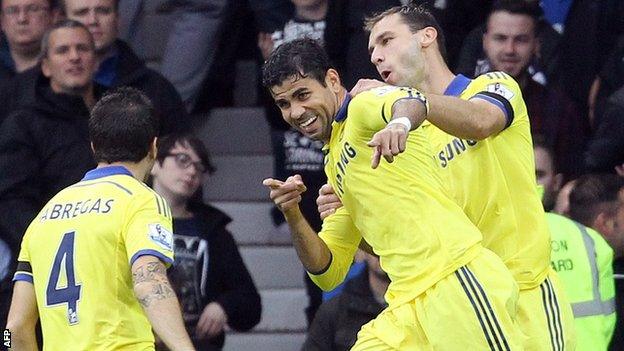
(346, 154)
(72, 210)
(454, 149)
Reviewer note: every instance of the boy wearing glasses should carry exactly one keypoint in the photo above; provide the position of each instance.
(209, 276)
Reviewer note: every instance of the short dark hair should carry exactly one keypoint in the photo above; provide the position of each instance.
(62, 5)
(168, 142)
(417, 17)
(299, 58)
(518, 7)
(594, 194)
(122, 126)
(65, 23)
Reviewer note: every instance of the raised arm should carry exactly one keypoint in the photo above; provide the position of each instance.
(156, 296)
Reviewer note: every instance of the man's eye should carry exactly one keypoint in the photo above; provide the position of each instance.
(304, 96)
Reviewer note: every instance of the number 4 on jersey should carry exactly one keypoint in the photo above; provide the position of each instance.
(70, 294)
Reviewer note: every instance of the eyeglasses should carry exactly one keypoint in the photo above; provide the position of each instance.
(184, 161)
(29, 10)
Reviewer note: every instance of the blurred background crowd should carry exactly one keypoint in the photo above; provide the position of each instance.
(199, 62)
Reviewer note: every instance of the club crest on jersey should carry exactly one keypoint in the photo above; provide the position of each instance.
(500, 89)
(161, 236)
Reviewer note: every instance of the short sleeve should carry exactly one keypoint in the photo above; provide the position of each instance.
(149, 229)
(342, 238)
(502, 91)
(24, 269)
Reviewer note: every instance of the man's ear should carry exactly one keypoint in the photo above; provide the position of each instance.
(428, 36)
(153, 150)
(332, 80)
(603, 223)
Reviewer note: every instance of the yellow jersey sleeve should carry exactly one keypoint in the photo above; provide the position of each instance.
(501, 90)
(24, 269)
(149, 229)
(342, 239)
(382, 99)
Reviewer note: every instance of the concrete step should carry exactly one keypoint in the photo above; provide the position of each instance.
(239, 178)
(264, 342)
(252, 224)
(235, 131)
(283, 310)
(273, 267)
(246, 83)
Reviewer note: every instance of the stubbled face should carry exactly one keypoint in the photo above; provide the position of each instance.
(100, 16)
(25, 21)
(510, 42)
(173, 177)
(307, 105)
(375, 267)
(70, 62)
(546, 176)
(396, 52)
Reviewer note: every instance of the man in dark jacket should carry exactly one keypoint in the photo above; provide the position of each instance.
(44, 145)
(120, 66)
(209, 275)
(339, 319)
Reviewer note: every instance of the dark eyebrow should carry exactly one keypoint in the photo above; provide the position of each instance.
(379, 38)
(299, 91)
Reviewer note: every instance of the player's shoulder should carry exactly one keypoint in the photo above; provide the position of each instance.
(497, 82)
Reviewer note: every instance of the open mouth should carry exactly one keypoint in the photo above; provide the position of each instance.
(385, 74)
(308, 122)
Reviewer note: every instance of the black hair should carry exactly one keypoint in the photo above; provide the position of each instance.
(301, 58)
(417, 17)
(594, 194)
(519, 7)
(122, 126)
(65, 23)
(168, 142)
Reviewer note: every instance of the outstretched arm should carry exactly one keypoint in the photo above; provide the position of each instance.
(312, 251)
(159, 301)
(474, 119)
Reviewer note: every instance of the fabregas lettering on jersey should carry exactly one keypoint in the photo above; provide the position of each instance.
(73, 210)
(453, 149)
(346, 154)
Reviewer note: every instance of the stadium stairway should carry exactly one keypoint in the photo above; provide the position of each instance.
(239, 141)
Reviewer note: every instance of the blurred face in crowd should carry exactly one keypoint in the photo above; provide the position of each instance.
(24, 22)
(546, 177)
(510, 42)
(308, 3)
(180, 174)
(375, 267)
(616, 239)
(309, 106)
(70, 60)
(100, 16)
(397, 53)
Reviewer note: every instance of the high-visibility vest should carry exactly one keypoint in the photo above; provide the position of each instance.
(584, 262)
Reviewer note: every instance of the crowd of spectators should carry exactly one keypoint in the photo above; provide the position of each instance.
(58, 56)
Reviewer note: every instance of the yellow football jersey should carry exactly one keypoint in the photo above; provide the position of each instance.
(419, 232)
(78, 253)
(493, 179)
